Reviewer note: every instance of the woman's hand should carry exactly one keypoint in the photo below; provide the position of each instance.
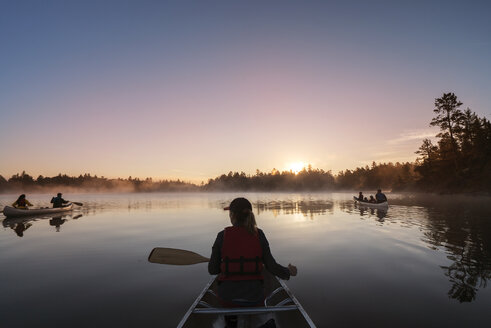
(293, 270)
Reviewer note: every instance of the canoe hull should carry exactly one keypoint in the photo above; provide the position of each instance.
(12, 212)
(287, 314)
(374, 205)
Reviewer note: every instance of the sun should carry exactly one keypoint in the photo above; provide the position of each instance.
(296, 167)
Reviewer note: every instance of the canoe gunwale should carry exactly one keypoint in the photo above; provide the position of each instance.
(297, 303)
(193, 306)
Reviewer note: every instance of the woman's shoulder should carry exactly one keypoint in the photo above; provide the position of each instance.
(261, 234)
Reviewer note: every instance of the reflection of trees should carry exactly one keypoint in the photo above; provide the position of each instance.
(458, 225)
(465, 235)
(466, 277)
(470, 251)
(308, 208)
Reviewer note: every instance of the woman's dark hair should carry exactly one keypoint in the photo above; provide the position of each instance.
(21, 197)
(241, 210)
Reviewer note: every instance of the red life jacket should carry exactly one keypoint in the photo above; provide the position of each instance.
(21, 202)
(241, 255)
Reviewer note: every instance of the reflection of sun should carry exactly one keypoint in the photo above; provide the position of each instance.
(296, 167)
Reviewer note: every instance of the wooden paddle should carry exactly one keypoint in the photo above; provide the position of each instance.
(174, 256)
(77, 203)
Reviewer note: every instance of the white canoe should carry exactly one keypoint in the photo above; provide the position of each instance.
(280, 305)
(12, 212)
(376, 205)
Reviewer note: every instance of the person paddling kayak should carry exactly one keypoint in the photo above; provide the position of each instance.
(58, 201)
(239, 254)
(22, 202)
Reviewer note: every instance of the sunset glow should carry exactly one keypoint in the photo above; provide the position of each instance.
(296, 167)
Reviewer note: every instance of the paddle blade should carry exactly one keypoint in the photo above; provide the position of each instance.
(77, 203)
(175, 256)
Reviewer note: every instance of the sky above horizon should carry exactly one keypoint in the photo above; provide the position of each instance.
(194, 89)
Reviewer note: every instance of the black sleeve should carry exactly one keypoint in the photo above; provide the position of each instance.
(269, 261)
(216, 255)
(64, 201)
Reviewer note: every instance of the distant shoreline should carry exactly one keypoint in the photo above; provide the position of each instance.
(412, 194)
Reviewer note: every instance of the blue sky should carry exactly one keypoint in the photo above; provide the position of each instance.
(193, 89)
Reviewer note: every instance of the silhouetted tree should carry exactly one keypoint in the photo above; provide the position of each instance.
(461, 160)
(449, 119)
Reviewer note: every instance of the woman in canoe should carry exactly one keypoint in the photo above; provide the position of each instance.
(239, 254)
(21, 202)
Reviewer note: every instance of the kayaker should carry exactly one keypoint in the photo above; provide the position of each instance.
(238, 256)
(360, 196)
(372, 200)
(22, 202)
(58, 201)
(380, 197)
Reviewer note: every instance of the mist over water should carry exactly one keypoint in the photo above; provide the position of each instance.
(424, 262)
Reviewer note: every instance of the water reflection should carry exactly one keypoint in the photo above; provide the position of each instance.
(308, 208)
(355, 208)
(463, 232)
(381, 213)
(20, 225)
(57, 222)
(460, 230)
(465, 235)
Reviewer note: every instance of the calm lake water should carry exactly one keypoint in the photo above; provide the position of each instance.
(425, 262)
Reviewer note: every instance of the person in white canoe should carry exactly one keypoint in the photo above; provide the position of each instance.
(58, 201)
(380, 197)
(21, 202)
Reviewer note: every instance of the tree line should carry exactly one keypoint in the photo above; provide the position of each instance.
(459, 161)
(384, 175)
(89, 183)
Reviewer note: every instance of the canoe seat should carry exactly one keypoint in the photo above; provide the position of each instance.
(286, 304)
